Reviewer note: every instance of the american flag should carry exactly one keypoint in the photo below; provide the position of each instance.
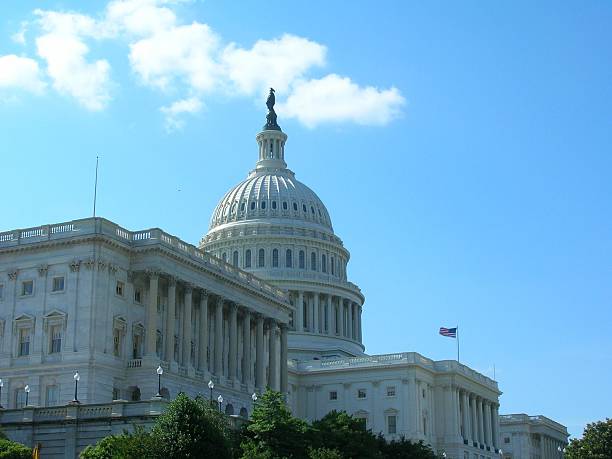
(450, 332)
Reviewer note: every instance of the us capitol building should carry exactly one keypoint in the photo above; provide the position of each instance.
(263, 301)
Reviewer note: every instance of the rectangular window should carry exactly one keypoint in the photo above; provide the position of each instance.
(392, 424)
(24, 342)
(390, 391)
(333, 395)
(138, 296)
(137, 347)
(363, 423)
(56, 339)
(27, 288)
(361, 393)
(116, 393)
(119, 288)
(506, 439)
(20, 397)
(58, 284)
(1, 292)
(51, 396)
(117, 342)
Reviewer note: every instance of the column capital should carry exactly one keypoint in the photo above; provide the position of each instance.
(152, 272)
(188, 288)
(203, 294)
(171, 280)
(233, 307)
(283, 326)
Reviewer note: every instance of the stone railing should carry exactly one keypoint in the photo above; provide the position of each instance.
(538, 419)
(273, 230)
(150, 236)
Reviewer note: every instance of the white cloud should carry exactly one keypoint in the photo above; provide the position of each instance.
(337, 99)
(20, 73)
(89, 83)
(19, 37)
(173, 112)
(71, 24)
(139, 17)
(183, 53)
(277, 63)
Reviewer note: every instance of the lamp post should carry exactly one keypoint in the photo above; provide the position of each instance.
(220, 400)
(27, 392)
(561, 451)
(77, 378)
(254, 397)
(160, 371)
(1, 386)
(211, 385)
(501, 453)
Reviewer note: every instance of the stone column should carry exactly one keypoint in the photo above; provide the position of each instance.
(315, 306)
(187, 326)
(203, 332)
(219, 337)
(480, 421)
(474, 424)
(273, 355)
(171, 320)
(495, 413)
(341, 314)
(151, 319)
(259, 354)
(464, 417)
(283, 359)
(246, 347)
(329, 314)
(350, 320)
(487, 421)
(233, 342)
(300, 312)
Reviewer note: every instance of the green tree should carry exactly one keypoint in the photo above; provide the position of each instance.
(134, 445)
(405, 449)
(346, 434)
(191, 428)
(13, 450)
(596, 442)
(273, 432)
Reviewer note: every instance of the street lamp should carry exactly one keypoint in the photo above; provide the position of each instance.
(561, 451)
(27, 392)
(211, 385)
(501, 453)
(220, 400)
(1, 386)
(254, 397)
(77, 378)
(160, 371)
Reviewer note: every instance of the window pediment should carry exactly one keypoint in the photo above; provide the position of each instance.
(24, 321)
(119, 323)
(55, 317)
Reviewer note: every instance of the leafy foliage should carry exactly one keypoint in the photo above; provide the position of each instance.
(324, 453)
(405, 449)
(13, 450)
(125, 446)
(596, 442)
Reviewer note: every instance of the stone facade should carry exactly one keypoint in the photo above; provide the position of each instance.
(531, 437)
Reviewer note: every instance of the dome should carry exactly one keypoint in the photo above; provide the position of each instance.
(273, 196)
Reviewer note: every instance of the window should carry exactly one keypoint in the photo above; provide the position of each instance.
(390, 391)
(274, 205)
(424, 426)
(159, 343)
(361, 393)
(285, 206)
(20, 397)
(247, 259)
(55, 344)
(313, 261)
(24, 342)
(331, 265)
(235, 258)
(137, 345)
(423, 391)
(275, 258)
(506, 439)
(261, 258)
(295, 206)
(263, 205)
(304, 208)
(117, 342)
(138, 295)
(176, 348)
(119, 288)
(1, 292)
(333, 395)
(323, 263)
(288, 260)
(58, 284)
(27, 288)
(301, 260)
(51, 396)
(116, 393)
(391, 424)
(312, 210)
(253, 205)
(242, 206)
(363, 423)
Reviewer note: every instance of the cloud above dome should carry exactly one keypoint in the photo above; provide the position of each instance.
(189, 62)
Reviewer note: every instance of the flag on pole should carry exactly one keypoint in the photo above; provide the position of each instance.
(449, 332)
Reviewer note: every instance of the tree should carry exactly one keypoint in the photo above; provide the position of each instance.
(13, 450)
(273, 432)
(324, 453)
(346, 434)
(134, 445)
(596, 442)
(405, 449)
(190, 427)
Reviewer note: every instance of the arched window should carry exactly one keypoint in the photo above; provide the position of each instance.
(313, 261)
(304, 208)
(285, 206)
(263, 205)
(224, 256)
(301, 260)
(235, 258)
(261, 258)
(274, 205)
(247, 258)
(275, 258)
(242, 206)
(331, 265)
(229, 409)
(323, 263)
(288, 258)
(312, 210)
(295, 206)
(244, 413)
(253, 205)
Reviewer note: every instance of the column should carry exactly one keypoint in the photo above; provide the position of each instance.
(300, 312)
(219, 337)
(495, 408)
(171, 320)
(350, 320)
(315, 306)
(273, 355)
(465, 416)
(480, 421)
(233, 342)
(187, 326)
(283, 359)
(328, 315)
(474, 425)
(341, 314)
(359, 323)
(203, 331)
(259, 353)
(151, 320)
(246, 347)
(487, 418)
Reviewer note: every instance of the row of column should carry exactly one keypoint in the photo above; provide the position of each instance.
(549, 447)
(205, 352)
(327, 314)
(479, 420)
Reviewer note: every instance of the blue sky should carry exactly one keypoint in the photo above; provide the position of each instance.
(462, 149)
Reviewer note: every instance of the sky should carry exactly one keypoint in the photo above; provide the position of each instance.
(463, 150)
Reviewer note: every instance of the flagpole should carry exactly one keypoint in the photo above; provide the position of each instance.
(95, 189)
(457, 343)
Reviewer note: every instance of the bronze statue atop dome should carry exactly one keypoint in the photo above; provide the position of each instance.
(271, 124)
